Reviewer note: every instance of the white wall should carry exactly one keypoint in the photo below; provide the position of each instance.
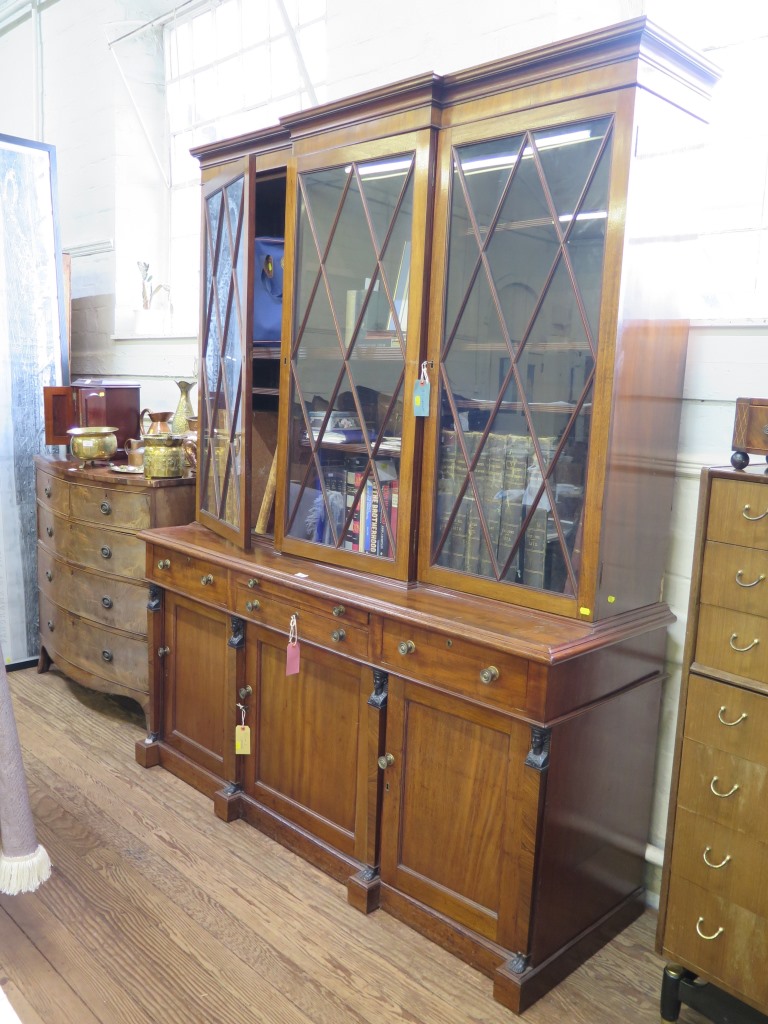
(102, 148)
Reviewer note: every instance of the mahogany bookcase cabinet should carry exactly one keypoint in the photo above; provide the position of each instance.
(469, 427)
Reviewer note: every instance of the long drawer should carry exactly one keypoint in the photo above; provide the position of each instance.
(52, 492)
(117, 603)
(194, 577)
(118, 553)
(120, 509)
(96, 649)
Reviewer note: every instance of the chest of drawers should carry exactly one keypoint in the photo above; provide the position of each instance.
(91, 565)
(714, 903)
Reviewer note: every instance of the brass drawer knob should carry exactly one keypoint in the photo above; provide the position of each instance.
(48, 575)
(709, 863)
(385, 761)
(742, 650)
(164, 563)
(106, 552)
(339, 610)
(736, 721)
(252, 583)
(163, 651)
(252, 606)
(49, 530)
(406, 647)
(106, 655)
(741, 583)
(51, 625)
(489, 675)
(105, 508)
(206, 580)
(47, 492)
(245, 692)
(106, 601)
(708, 938)
(716, 791)
(338, 635)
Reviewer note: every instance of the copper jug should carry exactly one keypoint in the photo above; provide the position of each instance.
(159, 422)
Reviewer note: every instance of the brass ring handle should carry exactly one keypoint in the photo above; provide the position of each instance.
(252, 606)
(708, 938)
(742, 650)
(206, 580)
(105, 508)
(106, 655)
(106, 552)
(754, 583)
(406, 647)
(164, 563)
(754, 519)
(106, 601)
(51, 625)
(252, 583)
(489, 675)
(737, 721)
(48, 575)
(49, 530)
(339, 610)
(709, 863)
(338, 635)
(47, 492)
(731, 791)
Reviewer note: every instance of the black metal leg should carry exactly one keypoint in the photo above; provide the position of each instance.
(670, 992)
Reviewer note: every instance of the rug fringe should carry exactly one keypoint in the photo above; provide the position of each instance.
(25, 873)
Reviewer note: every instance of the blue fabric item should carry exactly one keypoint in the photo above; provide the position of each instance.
(268, 289)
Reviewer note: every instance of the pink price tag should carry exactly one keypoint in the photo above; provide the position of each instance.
(292, 658)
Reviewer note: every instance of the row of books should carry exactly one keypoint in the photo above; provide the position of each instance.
(508, 479)
(372, 506)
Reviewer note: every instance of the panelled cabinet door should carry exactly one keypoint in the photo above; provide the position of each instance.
(358, 253)
(523, 220)
(225, 370)
(459, 811)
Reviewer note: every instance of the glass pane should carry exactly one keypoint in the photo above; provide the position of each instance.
(348, 364)
(525, 262)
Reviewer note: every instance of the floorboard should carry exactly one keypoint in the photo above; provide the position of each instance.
(157, 912)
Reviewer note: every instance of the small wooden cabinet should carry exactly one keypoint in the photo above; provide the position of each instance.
(93, 598)
(714, 908)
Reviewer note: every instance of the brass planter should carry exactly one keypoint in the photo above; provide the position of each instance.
(89, 444)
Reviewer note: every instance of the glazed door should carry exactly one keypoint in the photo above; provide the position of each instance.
(316, 738)
(359, 252)
(459, 812)
(225, 368)
(199, 686)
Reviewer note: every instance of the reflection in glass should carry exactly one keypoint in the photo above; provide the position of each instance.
(528, 217)
(348, 362)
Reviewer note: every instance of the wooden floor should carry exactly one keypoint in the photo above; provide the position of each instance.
(157, 912)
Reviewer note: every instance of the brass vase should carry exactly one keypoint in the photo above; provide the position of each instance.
(184, 410)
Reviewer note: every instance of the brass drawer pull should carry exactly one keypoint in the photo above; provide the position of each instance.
(106, 601)
(753, 519)
(105, 508)
(339, 610)
(163, 651)
(709, 863)
(106, 552)
(252, 583)
(49, 530)
(708, 938)
(51, 625)
(754, 583)
(47, 492)
(385, 761)
(406, 647)
(48, 575)
(722, 721)
(731, 791)
(207, 580)
(338, 635)
(164, 563)
(106, 655)
(489, 675)
(252, 606)
(244, 692)
(742, 650)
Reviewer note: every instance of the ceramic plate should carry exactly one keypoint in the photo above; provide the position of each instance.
(126, 469)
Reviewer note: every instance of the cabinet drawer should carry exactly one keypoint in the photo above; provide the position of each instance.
(315, 621)
(728, 718)
(728, 864)
(735, 577)
(96, 649)
(109, 601)
(470, 669)
(117, 553)
(738, 513)
(52, 492)
(194, 577)
(119, 509)
(724, 942)
(733, 642)
(724, 788)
